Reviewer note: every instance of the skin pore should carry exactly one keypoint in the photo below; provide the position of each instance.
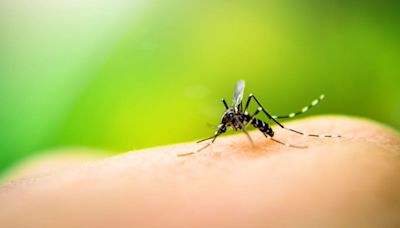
(353, 181)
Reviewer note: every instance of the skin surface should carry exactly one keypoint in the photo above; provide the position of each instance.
(353, 181)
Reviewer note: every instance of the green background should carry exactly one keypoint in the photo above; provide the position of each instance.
(123, 75)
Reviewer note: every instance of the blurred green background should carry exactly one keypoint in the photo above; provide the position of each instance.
(123, 75)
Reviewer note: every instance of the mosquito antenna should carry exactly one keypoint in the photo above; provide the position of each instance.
(212, 125)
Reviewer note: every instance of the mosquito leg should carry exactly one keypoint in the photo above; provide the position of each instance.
(208, 144)
(221, 129)
(284, 143)
(248, 102)
(202, 148)
(225, 104)
(303, 110)
(286, 128)
(198, 150)
(247, 133)
(312, 135)
(262, 108)
(268, 133)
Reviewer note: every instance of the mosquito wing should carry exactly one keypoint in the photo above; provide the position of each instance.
(238, 94)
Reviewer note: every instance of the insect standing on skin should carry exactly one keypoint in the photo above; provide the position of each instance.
(238, 118)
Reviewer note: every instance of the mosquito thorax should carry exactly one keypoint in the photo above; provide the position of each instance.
(228, 116)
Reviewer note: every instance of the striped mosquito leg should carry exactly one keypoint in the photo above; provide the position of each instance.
(303, 110)
(315, 102)
(284, 143)
(221, 129)
(312, 135)
(198, 150)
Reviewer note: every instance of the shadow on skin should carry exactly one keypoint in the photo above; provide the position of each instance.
(345, 182)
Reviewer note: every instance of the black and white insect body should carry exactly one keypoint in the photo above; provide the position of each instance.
(238, 118)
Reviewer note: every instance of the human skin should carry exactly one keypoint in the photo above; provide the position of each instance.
(353, 181)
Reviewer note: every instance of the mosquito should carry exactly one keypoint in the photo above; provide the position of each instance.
(238, 118)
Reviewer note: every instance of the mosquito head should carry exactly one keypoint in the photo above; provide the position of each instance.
(231, 118)
(228, 115)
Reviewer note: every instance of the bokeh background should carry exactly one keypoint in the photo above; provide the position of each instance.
(120, 75)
